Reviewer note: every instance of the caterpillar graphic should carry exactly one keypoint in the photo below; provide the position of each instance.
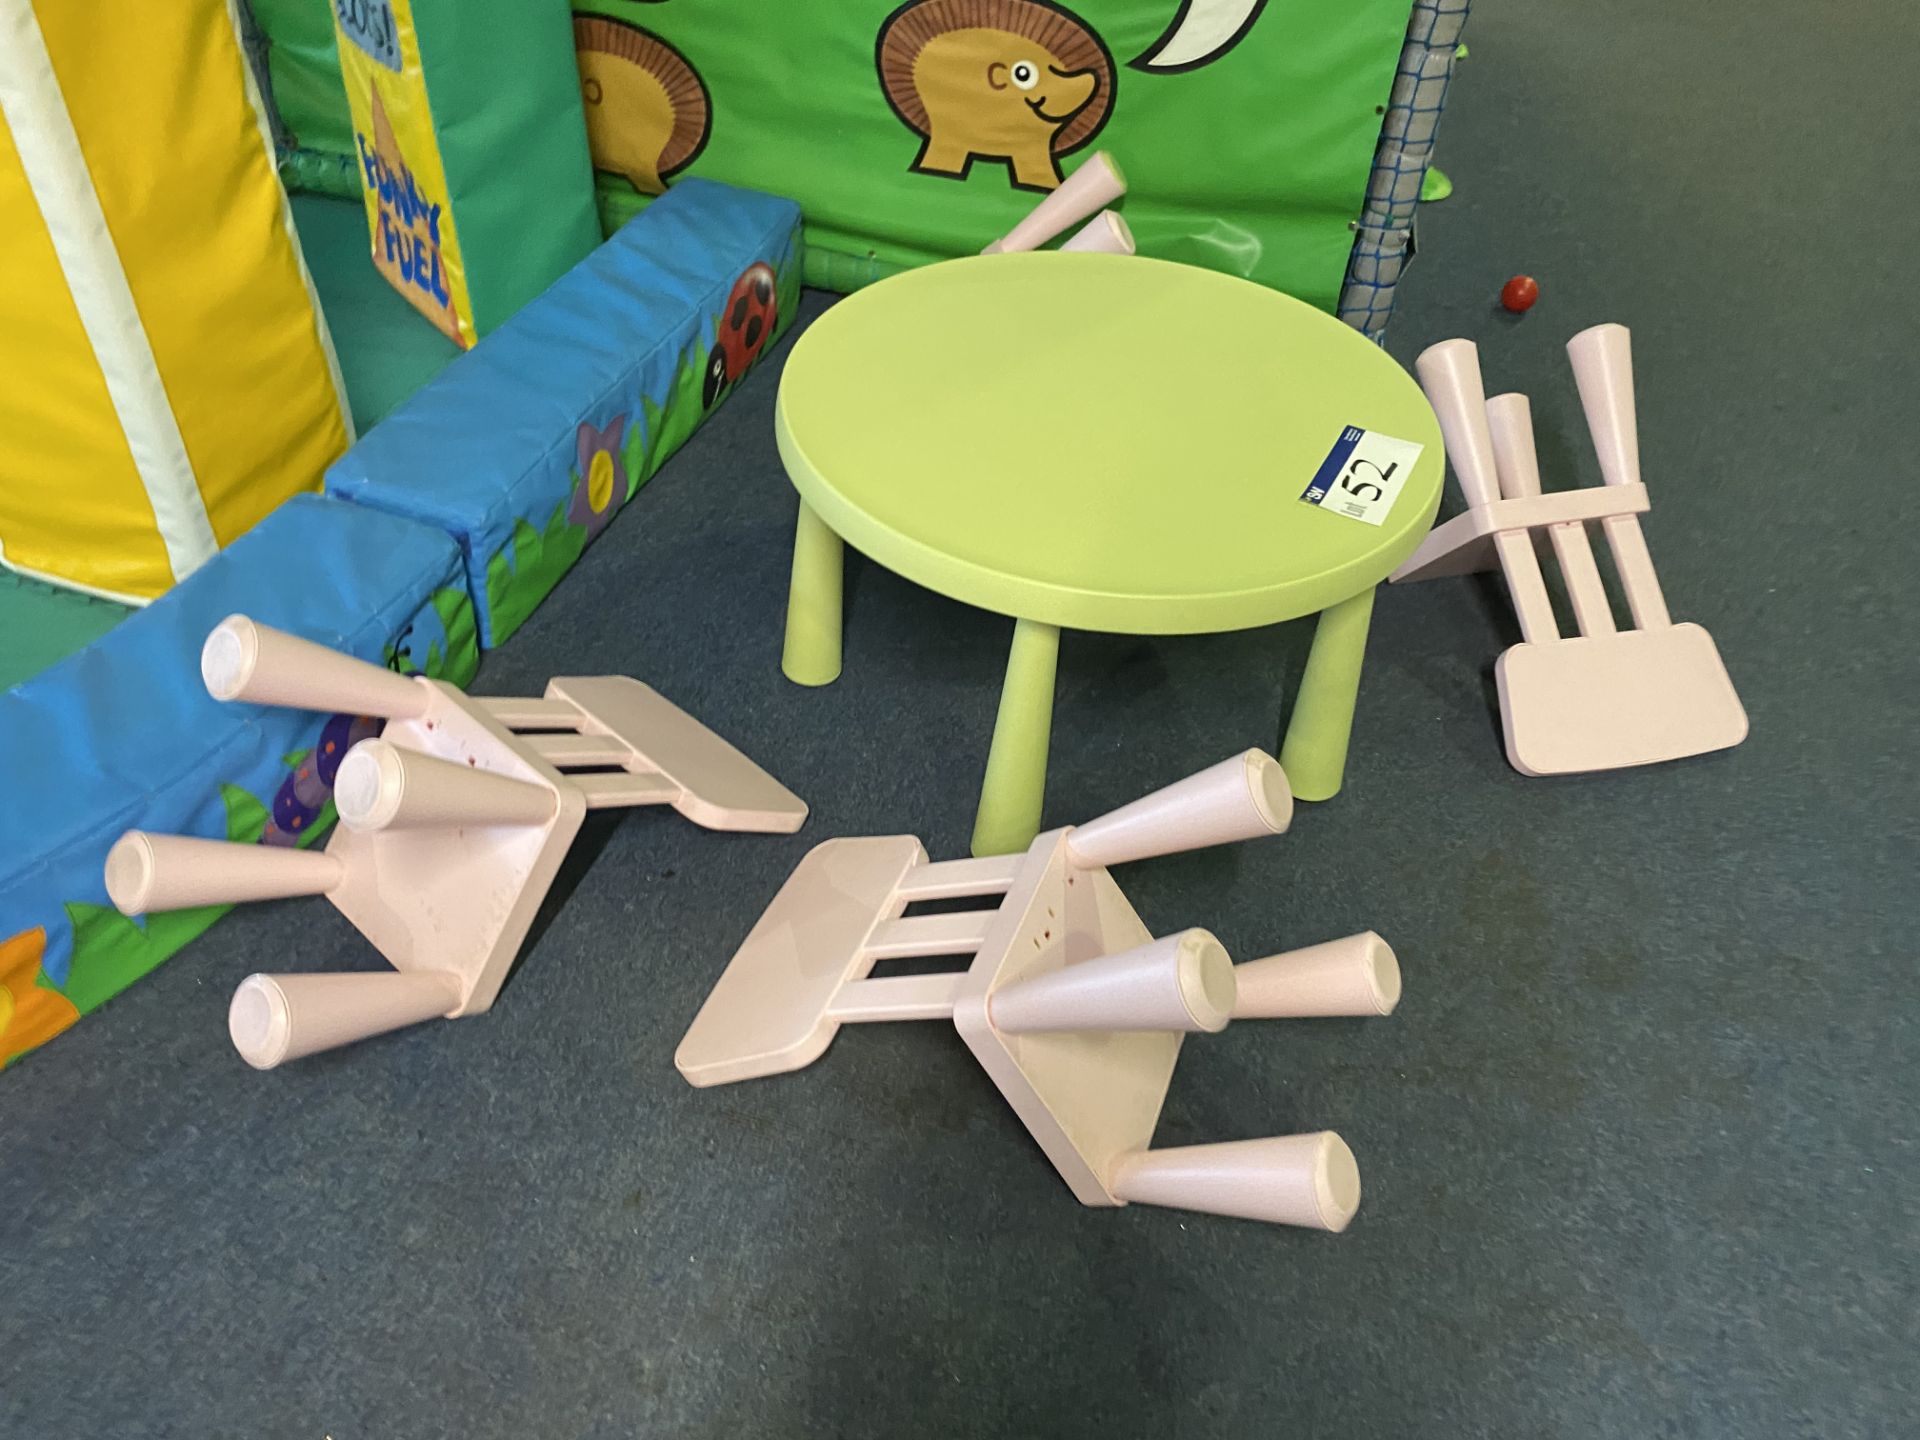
(305, 793)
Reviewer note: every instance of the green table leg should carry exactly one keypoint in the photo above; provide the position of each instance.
(812, 654)
(1314, 754)
(1009, 814)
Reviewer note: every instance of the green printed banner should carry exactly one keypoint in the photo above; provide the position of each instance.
(912, 132)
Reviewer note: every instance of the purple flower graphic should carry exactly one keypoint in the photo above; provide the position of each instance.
(602, 482)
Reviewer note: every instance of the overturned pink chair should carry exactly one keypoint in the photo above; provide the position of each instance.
(1084, 193)
(454, 824)
(1605, 698)
(1069, 1003)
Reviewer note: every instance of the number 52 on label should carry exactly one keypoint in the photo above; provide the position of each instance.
(1362, 475)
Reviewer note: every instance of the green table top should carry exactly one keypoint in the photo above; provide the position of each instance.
(1098, 441)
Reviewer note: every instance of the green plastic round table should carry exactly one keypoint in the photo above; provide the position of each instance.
(1095, 442)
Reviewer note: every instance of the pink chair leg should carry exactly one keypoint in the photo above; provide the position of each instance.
(1095, 184)
(147, 873)
(1308, 1180)
(244, 660)
(382, 786)
(1181, 982)
(276, 1018)
(1354, 976)
(1105, 234)
(1238, 799)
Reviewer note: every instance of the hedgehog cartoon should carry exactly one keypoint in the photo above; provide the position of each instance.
(647, 111)
(1016, 80)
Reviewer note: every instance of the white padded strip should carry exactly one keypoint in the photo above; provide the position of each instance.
(56, 169)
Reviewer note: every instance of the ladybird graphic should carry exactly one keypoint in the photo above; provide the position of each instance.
(716, 377)
(752, 311)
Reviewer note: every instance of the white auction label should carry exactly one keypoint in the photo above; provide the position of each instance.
(1362, 474)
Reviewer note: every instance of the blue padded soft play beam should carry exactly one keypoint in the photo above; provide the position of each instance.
(123, 735)
(524, 448)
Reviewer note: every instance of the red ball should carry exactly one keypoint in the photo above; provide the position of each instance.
(1519, 293)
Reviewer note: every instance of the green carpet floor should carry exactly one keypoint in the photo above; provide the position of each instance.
(40, 624)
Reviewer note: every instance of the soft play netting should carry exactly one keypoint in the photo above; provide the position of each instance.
(196, 332)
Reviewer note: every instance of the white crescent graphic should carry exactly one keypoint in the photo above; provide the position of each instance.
(1201, 33)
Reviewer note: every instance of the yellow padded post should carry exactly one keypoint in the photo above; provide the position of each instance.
(138, 182)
